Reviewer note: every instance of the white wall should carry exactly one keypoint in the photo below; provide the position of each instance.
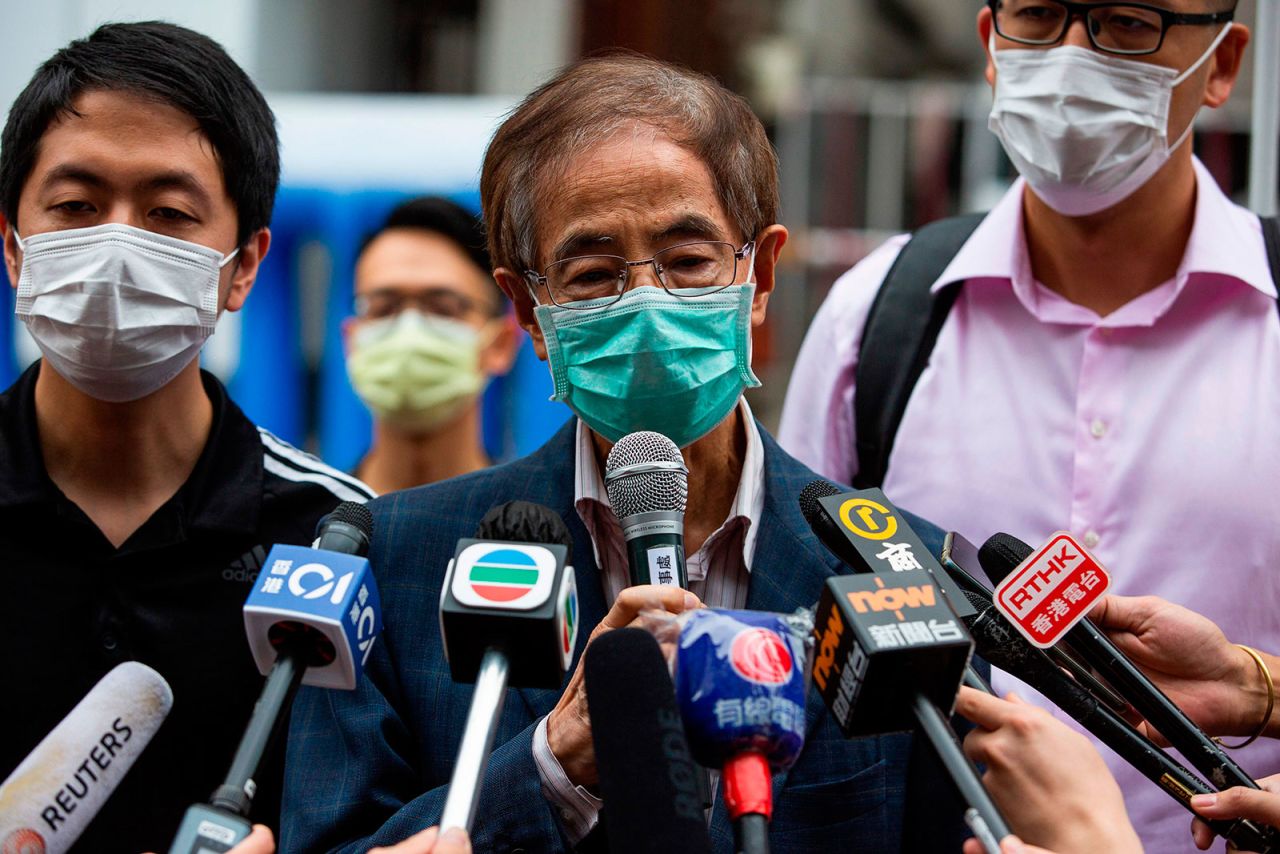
(32, 30)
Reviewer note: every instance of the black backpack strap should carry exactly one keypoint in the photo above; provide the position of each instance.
(1271, 237)
(898, 337)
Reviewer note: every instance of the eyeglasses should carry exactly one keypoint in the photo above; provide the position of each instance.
(442, 302)
(706, 265)
(1128, 29)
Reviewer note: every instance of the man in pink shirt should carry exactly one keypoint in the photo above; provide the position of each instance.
(1111, 362)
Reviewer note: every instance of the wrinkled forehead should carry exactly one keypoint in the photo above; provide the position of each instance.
(635, 186)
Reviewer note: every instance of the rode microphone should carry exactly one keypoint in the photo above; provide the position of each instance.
(1001, 554)
(890, 655)
(648, 780)
(54, 793)
(741, 681)
(312, 619)
(1001, 644)
(508, 615)
(648, 486)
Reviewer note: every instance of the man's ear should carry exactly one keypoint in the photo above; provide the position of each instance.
(497, 357)
(1224, 66)
(12, 254)
(516, 287)
(985, 25)
(244, 268)
(768, 249)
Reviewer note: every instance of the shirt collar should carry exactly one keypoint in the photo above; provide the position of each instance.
(748, 502)
(1225, 240)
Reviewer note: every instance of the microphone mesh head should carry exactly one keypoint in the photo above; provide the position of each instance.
(814, 490)
(355, 514)
(645, 491)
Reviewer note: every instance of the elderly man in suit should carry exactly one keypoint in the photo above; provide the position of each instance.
(632, 211)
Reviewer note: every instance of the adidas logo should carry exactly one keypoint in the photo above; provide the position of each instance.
(246, 567)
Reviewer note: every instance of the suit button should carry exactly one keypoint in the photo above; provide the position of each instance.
(109, 641)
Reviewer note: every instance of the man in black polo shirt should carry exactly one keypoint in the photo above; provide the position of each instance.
(137, 174)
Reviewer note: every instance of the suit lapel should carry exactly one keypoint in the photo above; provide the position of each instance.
(548, 478)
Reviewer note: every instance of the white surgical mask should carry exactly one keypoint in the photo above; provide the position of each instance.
(1085, 129)
(118, 311)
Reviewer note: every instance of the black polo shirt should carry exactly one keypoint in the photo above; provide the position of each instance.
(170, 597)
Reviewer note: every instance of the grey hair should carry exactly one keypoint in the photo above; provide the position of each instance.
(597, 97)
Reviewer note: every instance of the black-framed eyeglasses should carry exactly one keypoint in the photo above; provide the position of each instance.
(1128, 29)
(698, 268)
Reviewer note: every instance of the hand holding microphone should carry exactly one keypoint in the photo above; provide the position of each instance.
(1023, 748)
(1004, 646)
(1002, 557)
(569, 724)
(1189, 658)
(1261, 805)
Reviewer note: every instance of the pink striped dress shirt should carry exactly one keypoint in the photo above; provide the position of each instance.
(1151, 433)
(719, 574)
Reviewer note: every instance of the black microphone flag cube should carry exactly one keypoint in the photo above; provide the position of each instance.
(881, 640)
(883, 542)
(519, 598)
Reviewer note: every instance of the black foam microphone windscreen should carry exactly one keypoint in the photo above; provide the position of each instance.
(648, 779)
(525, 522)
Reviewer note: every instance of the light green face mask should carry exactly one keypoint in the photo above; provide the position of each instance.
(414, 371)
(652, 361)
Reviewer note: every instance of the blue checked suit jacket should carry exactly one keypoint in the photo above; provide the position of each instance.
(372, 766)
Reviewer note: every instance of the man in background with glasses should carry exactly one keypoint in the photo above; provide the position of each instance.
(1104, 348)
(431, 327)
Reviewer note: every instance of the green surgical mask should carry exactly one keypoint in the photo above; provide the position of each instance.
(652, 361)
(414, 371)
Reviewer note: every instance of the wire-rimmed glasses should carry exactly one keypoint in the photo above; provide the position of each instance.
(699, 268)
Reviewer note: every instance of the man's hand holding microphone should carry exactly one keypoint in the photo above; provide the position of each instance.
(1217, 683)
(569, 724)
(1225, 688)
